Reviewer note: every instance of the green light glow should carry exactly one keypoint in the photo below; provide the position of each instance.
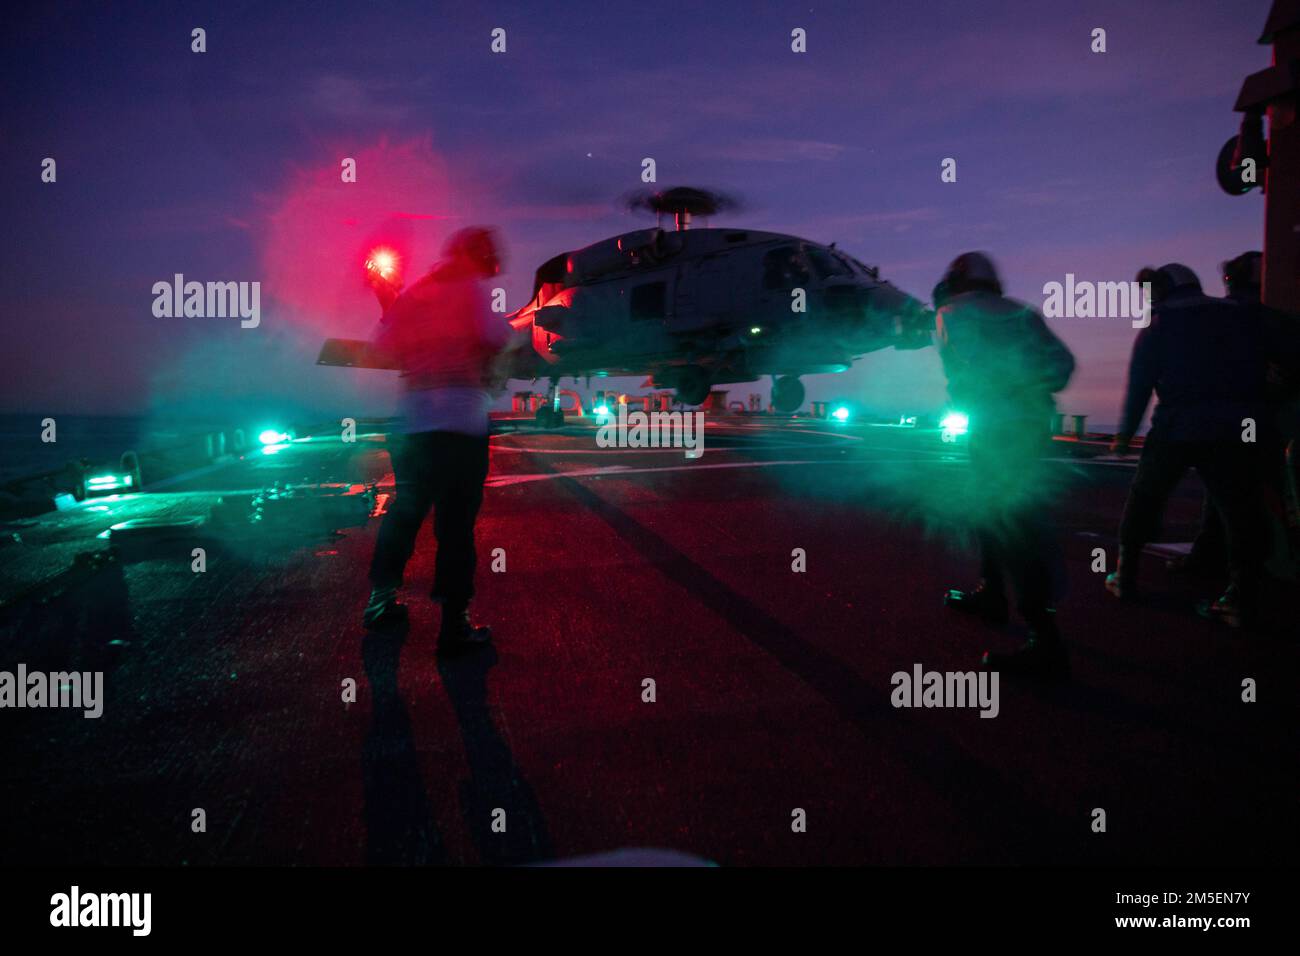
(108, 482)
(953, 425)
(272, 437)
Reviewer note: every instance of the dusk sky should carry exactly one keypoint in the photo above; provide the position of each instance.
(224, 165)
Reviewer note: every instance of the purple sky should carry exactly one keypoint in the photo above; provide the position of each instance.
(224, 165)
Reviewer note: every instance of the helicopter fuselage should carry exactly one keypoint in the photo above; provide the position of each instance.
(725, 304)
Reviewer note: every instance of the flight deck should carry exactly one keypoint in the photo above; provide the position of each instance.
(666, 672)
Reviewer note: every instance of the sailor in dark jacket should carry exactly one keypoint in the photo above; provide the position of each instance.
(1204, 358)
(1003, 366)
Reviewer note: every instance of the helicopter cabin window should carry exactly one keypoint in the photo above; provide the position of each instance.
(783, 268)
(550, 277)
(858, 266)
(826, 264)
(647, 301)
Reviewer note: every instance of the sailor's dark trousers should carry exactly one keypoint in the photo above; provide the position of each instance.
(1016, 535)
(444, 471)
(1234, 478)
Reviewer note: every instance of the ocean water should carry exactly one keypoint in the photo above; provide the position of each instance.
(100, 438)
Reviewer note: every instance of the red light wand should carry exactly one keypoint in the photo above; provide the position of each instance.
(382, 275)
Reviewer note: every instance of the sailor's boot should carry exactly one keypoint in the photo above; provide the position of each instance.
(986, 602)
(458, 633)
(1042, 656)
(1237, 607)
(1122, 582)
(383, 610)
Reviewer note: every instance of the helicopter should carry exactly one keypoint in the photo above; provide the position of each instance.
(693, 308)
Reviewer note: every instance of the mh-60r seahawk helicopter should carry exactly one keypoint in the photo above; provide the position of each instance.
(695, 308)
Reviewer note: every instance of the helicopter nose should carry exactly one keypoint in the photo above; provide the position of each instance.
(896, 317)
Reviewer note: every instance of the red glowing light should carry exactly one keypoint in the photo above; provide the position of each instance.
(382, 262)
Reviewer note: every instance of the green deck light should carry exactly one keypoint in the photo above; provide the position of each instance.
(99, 484)
(953, 425)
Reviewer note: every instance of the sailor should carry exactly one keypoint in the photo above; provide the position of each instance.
(1003, 366)
(441, 332)
(1205, 360)
(1242, 282)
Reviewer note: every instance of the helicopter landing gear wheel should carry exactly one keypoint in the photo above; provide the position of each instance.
(787, 394)
(549, 414)
(692, 385)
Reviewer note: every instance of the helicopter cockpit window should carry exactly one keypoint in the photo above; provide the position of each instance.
(783, 268)
(858, 266)
(850, 264)
(826, 264)
(647, 301)
(550, 276)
